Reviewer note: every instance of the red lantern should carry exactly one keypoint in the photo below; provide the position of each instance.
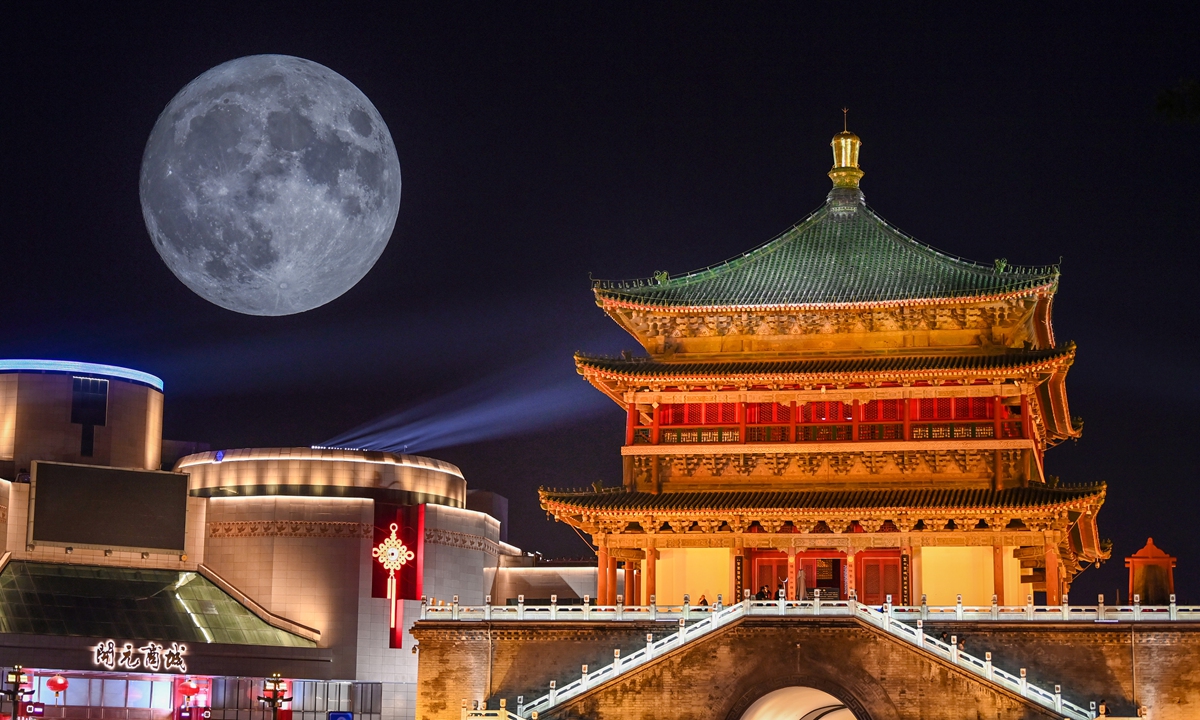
(189, 688)
(57, 684)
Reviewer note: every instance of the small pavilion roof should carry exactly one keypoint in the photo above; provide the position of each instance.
(799, 370)
(618, 500)
(841, 255)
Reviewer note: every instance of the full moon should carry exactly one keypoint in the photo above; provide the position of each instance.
(270, 185)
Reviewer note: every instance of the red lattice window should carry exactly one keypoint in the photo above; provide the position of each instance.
(828, 412)
(935, 409)
(982, 408)
(765, 413)
(978, 408)
(962, 408)
(877, 410)
(698, 414)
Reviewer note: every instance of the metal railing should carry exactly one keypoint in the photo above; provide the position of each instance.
(1100, 612)
(891, 619)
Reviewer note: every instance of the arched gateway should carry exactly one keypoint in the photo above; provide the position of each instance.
(798, 703)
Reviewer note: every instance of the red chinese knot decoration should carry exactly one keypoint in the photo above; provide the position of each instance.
(392, 555)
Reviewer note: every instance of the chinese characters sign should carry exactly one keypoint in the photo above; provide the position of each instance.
(151, 656)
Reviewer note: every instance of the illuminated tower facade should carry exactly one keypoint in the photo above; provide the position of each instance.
(842, 409)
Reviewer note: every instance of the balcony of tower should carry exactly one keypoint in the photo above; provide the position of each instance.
(922, 435)
(702, 421)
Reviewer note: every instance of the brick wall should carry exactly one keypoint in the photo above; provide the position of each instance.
(525, 657)
(877, 676)
(1096, 661)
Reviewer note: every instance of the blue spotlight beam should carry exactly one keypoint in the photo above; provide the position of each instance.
(487, 410)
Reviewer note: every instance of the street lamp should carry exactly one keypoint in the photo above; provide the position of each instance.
(273, 689)
(15, 678)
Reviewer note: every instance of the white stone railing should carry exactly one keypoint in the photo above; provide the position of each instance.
(890, 619)
(885, 620)
(807, 608)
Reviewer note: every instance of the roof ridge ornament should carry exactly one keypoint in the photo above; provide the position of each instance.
(845, 172)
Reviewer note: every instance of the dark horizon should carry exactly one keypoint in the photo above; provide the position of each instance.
(541, 145)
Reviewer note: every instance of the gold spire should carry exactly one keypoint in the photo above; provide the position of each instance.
(845, 172)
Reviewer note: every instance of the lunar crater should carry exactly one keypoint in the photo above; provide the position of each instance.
(270, 185)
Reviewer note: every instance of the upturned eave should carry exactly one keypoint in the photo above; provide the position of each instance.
(609, 300)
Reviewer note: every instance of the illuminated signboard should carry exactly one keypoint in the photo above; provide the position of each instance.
(103, 507)
(151, 656)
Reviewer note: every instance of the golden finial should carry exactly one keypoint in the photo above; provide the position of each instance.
(845, 172)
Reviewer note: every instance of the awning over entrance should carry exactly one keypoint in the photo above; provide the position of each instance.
(98, 602)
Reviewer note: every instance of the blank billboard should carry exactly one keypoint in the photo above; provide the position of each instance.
(107, 507)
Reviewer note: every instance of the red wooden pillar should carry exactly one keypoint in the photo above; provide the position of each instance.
(850, 580)
(601, 575)
(856, 415)
(792, 431)
(651, 574)
(998, 573)
(612, 581)
(1053, 581)
(630, 423)
(906, 406)
(1024, 416)
(741, 418)
(656, 411)
(997, 410)
(791, 574)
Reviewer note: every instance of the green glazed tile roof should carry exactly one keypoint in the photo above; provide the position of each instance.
(842, 254)
(617, 499)
(128, 604)
(825, 367)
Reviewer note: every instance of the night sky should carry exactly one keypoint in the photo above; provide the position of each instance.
(541, 142)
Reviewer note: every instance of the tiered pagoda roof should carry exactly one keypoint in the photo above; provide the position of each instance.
(843, 255)
(790, 371)
(851, 500)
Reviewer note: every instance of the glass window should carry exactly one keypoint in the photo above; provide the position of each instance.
(299, 695)
(218, 693)
(139, 694)
(339, 696)
(77, 692)
(113, 694)
(89, 401)
(244, 698)
(160, 695)
(97, 692)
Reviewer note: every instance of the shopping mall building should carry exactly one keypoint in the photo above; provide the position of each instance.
(174, 592)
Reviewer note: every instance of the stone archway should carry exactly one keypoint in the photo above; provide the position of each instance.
(798, 703)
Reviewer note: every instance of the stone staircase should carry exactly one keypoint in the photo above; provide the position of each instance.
(722, 617)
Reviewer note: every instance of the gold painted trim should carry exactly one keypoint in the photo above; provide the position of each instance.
(816, 448)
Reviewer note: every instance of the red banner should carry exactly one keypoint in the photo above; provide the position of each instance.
(409, 522)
